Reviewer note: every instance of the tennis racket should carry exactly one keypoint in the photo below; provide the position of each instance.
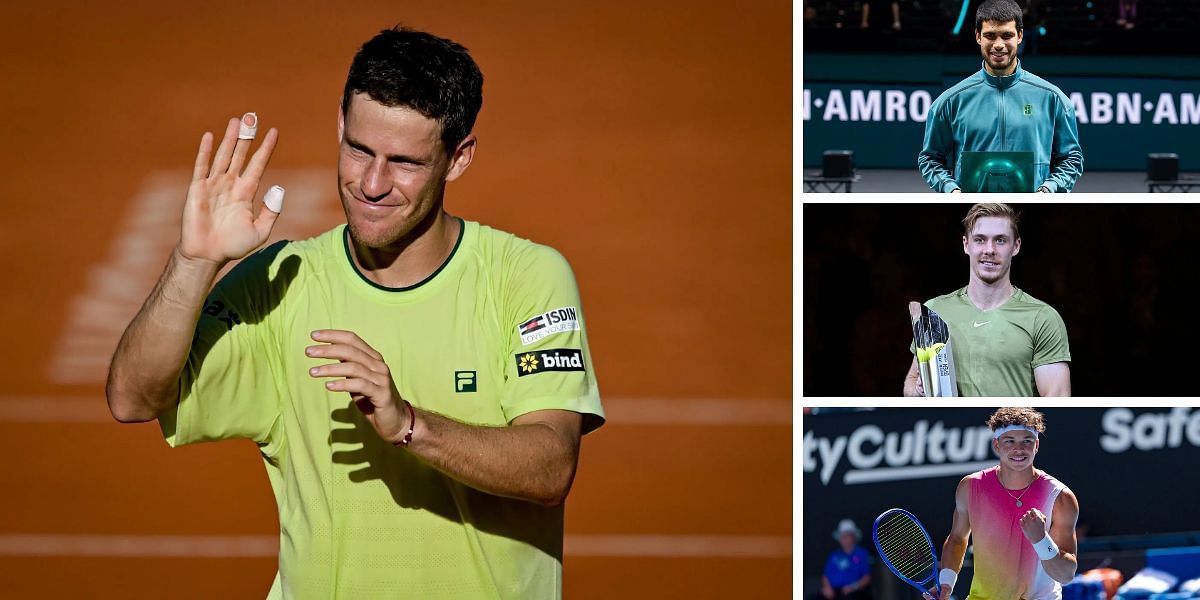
(906, 549)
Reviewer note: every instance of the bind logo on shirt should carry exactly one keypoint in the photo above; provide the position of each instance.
(548, 323)
(552, 359)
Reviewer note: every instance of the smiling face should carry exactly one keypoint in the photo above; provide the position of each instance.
(392, 170)
(998, 43)
(1016, 449)
(991, 246)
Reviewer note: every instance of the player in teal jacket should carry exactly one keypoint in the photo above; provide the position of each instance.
(1002, 108)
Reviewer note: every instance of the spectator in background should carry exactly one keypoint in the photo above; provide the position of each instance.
(848, 570)
(866, 15)
(1126, 13)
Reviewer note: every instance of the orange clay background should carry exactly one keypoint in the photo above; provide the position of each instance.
(650, 142)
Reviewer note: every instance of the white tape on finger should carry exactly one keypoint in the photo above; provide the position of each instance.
(247, 132)
(274, 199)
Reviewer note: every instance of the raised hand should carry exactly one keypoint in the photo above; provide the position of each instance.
(1033, 525)
(366, 378)
(219, 223)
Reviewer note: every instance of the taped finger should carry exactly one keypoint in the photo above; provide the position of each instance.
(248, 127)
(274, 199)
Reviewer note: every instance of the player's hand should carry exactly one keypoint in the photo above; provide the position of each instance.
(366, 378)
(1033, 525)
(914, 388)
(937, 592)
(219, 223)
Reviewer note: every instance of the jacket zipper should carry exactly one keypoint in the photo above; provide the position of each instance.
(1000, 107)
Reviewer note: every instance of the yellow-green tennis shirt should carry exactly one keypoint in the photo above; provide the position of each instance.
(996, 350)
(495, 333)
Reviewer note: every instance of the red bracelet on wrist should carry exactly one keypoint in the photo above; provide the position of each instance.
(412, 420)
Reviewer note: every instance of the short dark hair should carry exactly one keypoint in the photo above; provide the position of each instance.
(1000, 11)
(431, 75)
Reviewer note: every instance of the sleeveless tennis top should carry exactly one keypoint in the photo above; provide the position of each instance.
(1006, 565)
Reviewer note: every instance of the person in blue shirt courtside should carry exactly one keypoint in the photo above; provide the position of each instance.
(847, 572)
(1002, 108)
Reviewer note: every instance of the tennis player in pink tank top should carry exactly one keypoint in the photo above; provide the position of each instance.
(1021, 520)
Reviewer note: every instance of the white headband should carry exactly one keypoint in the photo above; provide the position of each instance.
(1007, 428)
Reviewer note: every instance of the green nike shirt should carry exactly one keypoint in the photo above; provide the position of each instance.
(996, 351)
(493, 334)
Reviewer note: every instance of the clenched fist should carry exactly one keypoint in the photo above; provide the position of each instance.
(1033, 525)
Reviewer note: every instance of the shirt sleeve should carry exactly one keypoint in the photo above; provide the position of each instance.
(938, 148)
(548, 365)
(1050, 342)
(1066, 158)
(830, 571)
(229, 388)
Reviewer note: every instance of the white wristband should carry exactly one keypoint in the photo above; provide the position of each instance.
(948, 577)
(1046, 548)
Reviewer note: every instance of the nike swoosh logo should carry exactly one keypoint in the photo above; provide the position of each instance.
(978, 324)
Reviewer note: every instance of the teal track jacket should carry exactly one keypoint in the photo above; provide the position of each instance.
(1018, 113)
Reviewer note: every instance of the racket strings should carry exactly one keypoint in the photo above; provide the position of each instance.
(905, 546)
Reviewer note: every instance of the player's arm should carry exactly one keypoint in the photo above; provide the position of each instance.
(912, 381)
(1053, 379)
(533, 458)
(1066, 156)
(939, 143)
(954, 550)
(218, 226)
(1058, 558)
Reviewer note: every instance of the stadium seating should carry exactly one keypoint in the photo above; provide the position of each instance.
(1166, 567)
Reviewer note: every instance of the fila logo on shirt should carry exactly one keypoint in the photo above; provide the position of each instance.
(551, 359)
(464, 381)
(1028, 109)
(548, 323)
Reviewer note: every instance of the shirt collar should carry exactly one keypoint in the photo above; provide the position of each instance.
(1003, 82)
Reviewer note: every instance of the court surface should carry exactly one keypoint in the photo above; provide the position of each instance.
(648, 143)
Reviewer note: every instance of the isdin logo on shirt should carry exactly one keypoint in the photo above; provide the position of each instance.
(1028, 110)
(548, 323)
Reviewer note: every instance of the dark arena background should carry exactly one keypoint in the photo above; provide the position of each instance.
(1121, 276)
(1132, 470)
(1134, 81)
